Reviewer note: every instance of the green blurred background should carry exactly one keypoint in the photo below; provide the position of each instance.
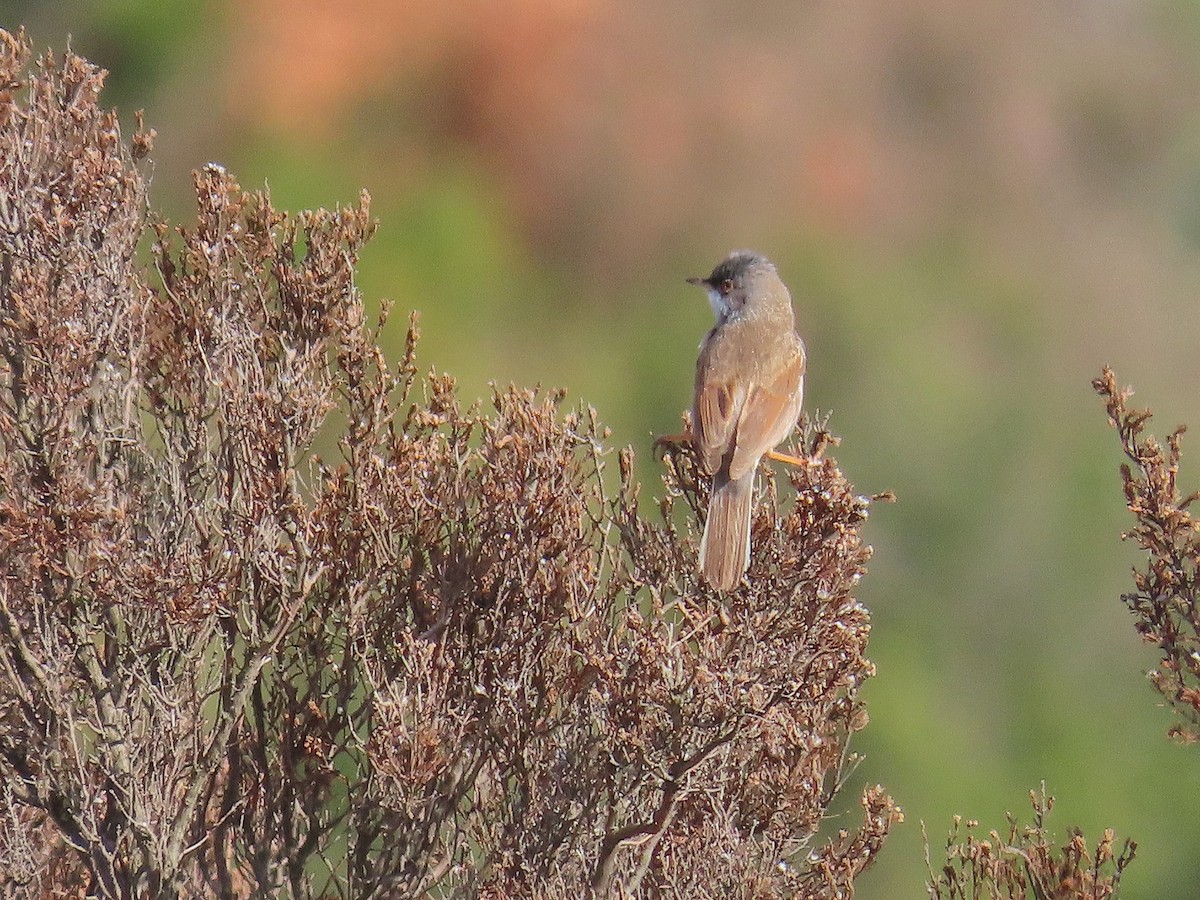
(976, 205)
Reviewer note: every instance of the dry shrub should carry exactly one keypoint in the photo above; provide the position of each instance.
(446, 660)
(1165, 589)
(1027, 863)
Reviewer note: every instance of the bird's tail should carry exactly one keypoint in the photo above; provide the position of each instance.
(725, 547)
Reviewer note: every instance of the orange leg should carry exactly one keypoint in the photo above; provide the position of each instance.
(790, 460)
(672, 440)
(684, 438)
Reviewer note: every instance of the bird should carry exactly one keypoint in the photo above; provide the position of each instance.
(748, 393)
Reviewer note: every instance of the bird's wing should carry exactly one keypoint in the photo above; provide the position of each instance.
(767, 416)
(716, 412)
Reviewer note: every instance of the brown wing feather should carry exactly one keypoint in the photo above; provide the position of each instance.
(716, 413)
(767, 416)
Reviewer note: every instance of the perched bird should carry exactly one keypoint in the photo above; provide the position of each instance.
(749, 387)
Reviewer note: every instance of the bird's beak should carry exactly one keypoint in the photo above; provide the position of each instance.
(696, 280)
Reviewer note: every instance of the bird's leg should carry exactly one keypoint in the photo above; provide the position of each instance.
(673, 440)
(670, 441)
(787, 458)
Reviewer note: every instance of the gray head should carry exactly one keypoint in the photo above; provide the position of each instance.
(744, 283)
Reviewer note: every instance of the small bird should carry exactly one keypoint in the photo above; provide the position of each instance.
(749, 387)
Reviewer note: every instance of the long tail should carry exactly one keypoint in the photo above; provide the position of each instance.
(725, 547)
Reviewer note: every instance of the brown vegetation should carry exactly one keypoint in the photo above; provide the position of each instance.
(450, 658)
(1164, 599)
(447, 659)
(1026, 863)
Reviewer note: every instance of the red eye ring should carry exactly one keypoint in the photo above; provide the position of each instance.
(726, 286)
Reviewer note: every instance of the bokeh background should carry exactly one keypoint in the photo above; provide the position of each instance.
(976, 204)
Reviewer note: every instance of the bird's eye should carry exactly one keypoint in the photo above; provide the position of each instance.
(726, 286)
